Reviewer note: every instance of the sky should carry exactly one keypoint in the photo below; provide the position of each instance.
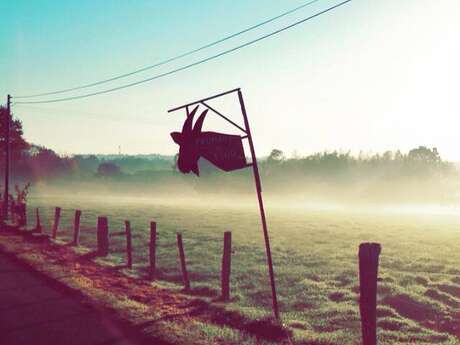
(369, 76)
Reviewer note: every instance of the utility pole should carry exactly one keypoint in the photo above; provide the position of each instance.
(7, 160)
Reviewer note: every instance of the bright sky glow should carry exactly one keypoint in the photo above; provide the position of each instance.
(371, 76)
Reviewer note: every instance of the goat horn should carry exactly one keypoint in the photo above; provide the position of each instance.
(199, 122)
(187, 128)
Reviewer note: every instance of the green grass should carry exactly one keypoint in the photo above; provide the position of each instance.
(315, 257)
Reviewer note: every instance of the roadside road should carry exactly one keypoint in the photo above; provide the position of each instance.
(34, 313)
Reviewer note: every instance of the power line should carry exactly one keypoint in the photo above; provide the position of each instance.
(92, 115)
(174, 58)
(192, 64)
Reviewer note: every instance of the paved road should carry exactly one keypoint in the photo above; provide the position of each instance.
(34, 313)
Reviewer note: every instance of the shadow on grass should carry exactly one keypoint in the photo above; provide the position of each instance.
(88, 256)
(263, 329)
(320, 342)
(203, 291)
(424, 313)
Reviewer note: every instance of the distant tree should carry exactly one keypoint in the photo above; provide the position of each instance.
(18, 145)
(272, 163)
(424, 154)
(388, 156)
(174, 165)
(88, 164)
(275, 156)
(45, 162)
(398, 156)
(108, 169)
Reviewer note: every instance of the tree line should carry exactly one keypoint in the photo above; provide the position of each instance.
(35, 162)
(31, 162)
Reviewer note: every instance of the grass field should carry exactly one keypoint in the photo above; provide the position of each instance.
(315, 256)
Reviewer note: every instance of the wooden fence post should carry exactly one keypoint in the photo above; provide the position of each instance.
(152, 249)
(22, 215)
(368, 271)
(38, 226)
(226, 265)
(102, 236)
(57, 218)
(129, 247)
(183, 264)
(76, 228)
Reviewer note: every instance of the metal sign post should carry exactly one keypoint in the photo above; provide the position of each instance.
(255, 169)
(247, 131)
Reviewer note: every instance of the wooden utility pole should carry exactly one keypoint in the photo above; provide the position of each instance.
(7, 160)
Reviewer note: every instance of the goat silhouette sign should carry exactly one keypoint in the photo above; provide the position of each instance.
(225, 151)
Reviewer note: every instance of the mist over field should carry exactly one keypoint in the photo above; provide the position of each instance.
(314, 248)
(328, 179)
